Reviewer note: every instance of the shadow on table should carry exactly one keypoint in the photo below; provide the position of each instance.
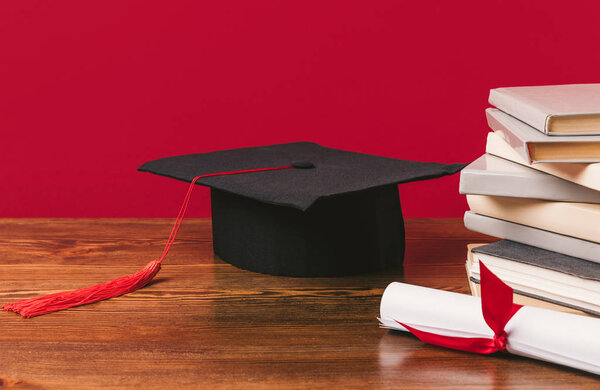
(401, 355)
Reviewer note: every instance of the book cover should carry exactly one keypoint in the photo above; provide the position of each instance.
(571, 109)
(524, 299)
(520, 299)
(492, 175)
(544, 239)
(587, 175)
(534, 146)
(581, 269)
(580, 220)
(541, 274)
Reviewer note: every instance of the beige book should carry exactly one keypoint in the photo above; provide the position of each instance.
(534, 146)
(587, 175)
(493, 175)
(572, 109)
(519, 299)
(580, 220)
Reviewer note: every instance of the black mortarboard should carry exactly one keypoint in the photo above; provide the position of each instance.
(338, 213)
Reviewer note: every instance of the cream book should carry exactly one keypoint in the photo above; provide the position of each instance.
(572, 109)
(581, 220)
(492, 175)
(587, 175)
(538, 277)
(525, 300)
(524, 234)
(534, 146)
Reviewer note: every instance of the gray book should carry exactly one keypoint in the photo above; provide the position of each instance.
(541, 274)
(492, 175)
(538, 257)
(553, 109)
(534, 146)
(544, 239)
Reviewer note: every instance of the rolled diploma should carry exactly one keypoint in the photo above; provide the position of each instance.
(568, 339)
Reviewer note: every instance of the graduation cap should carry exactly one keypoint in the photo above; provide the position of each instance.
(296, 209)
(336, 213)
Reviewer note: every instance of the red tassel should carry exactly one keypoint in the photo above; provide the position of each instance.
(32, 307)
(63, 300)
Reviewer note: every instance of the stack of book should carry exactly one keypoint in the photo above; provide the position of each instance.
(538, 188)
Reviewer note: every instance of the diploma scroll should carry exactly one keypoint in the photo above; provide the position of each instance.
(553, 336)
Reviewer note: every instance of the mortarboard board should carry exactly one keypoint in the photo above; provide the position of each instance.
(339, 213)
(295, 209)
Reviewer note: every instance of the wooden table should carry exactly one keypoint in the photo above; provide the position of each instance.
(206, 324)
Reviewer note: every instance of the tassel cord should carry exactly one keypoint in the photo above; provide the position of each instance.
(31, 307)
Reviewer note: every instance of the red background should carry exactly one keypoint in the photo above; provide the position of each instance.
(90, 90)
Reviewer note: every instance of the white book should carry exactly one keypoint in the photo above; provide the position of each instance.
(540, 273)
(534, 146)
(572, 109)
(520, 297)
(581, 220)
(524, 234)
(587, 175)
(492, 175)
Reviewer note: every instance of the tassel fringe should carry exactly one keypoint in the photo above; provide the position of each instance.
(32, 307)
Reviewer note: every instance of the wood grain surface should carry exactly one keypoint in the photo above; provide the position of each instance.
(208, 325)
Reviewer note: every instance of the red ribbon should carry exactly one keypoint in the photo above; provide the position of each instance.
(497, 307)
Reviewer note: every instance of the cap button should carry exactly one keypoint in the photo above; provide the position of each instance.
(303, 164)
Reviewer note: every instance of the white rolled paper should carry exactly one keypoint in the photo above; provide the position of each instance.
(563, 338)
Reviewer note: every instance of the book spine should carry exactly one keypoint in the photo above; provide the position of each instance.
(523, 110)
(513, 138)
(538, 300)
(497, 146)
(534, 185)
(587, 175)
(578, 220)
(554, 242)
